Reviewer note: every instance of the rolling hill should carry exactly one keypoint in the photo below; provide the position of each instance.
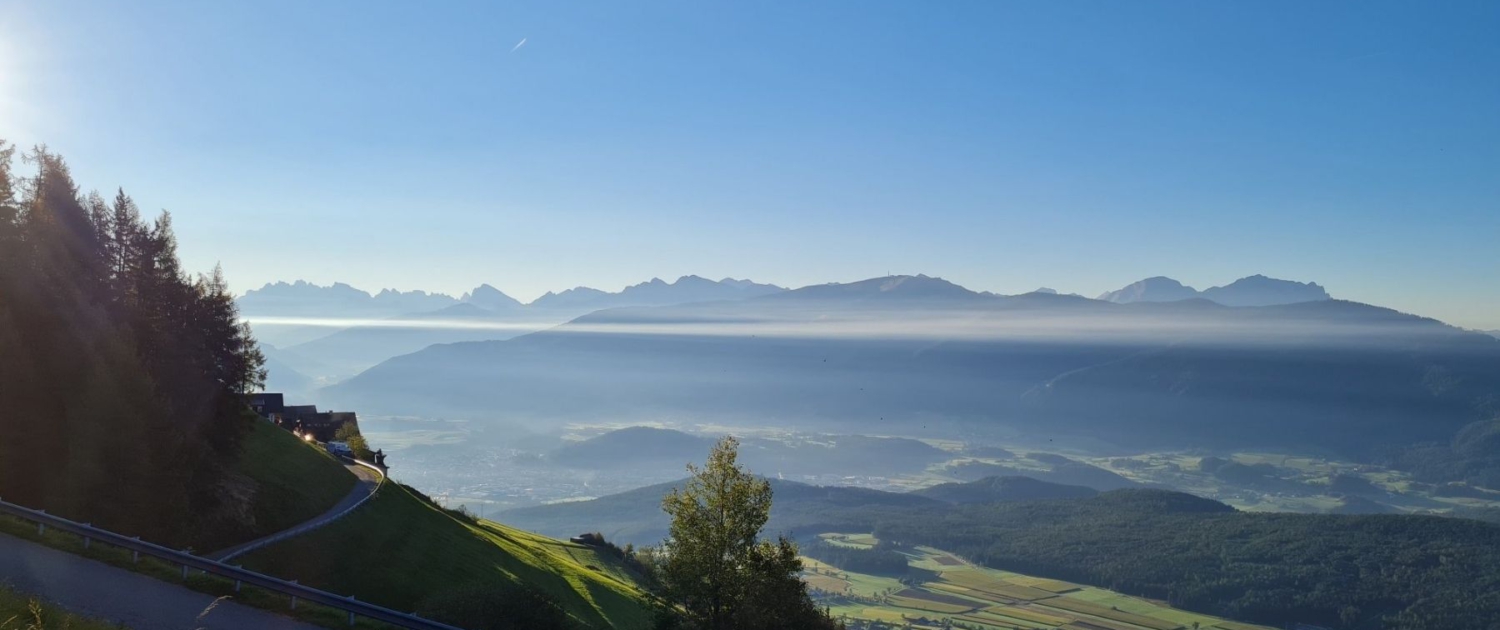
(649, 449)
(1002, 489)
(636, 516)
(633, 448)
(1044, 468)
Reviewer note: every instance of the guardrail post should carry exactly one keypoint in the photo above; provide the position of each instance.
(41, 529)
(135, 555)
(294, 598)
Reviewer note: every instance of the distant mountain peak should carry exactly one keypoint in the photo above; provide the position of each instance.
(488, 297)
(338, 299)
(1153, 289)
(918, 287)
(1259, 290)
(1256, 290)
(657, 292)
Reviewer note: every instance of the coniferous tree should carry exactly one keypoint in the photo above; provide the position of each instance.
(121, 379)
(124, 242)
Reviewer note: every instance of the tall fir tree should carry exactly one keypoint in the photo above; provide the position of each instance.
(122, 379)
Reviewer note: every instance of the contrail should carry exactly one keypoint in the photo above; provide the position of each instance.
(519, 45)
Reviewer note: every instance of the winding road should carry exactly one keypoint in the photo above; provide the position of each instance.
(95, 589)
(369, 482)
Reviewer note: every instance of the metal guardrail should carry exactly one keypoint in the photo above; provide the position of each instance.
(188, 561)
(303, 529)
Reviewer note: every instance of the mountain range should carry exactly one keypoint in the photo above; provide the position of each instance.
(1255, 290)
(915, 353)
(348, 330)
(656, 292)
(302, 298)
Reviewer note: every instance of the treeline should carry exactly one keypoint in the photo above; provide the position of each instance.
(121, 378)
(880, 560)
(1382, 571)
(1472, 456)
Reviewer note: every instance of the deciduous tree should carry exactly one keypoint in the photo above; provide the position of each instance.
(717, 572)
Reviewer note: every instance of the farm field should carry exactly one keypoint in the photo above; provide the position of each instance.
(941, 589)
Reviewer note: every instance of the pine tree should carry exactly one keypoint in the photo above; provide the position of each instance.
(122, 378)
(124, 241)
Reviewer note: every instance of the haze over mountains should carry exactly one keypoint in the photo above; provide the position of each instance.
(1256, 362)
(914, 353)
(327, 333)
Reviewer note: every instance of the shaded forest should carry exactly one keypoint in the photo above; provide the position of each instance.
(879, 560)
(121, 376)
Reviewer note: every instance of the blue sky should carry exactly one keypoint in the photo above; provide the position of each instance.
(1002, 145)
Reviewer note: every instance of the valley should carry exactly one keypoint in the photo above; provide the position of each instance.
(940, 590)
(492, 469)
(655, 315)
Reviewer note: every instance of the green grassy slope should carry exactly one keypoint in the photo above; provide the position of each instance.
(292, 481)
(398, 550)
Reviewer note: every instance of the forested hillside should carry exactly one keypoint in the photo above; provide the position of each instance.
(1349, 572)
(121, 380)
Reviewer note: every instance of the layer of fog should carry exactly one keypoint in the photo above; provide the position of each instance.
(946, 326)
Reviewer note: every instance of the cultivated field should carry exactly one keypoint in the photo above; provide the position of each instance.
(951, 591)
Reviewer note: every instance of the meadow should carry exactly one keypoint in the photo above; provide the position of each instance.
(942, 590)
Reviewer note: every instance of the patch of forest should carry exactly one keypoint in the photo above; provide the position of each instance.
(123, 375)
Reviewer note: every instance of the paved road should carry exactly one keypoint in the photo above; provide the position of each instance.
(369, 481)
(92, 588)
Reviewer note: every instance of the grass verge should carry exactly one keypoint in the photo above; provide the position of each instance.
(23, 612)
